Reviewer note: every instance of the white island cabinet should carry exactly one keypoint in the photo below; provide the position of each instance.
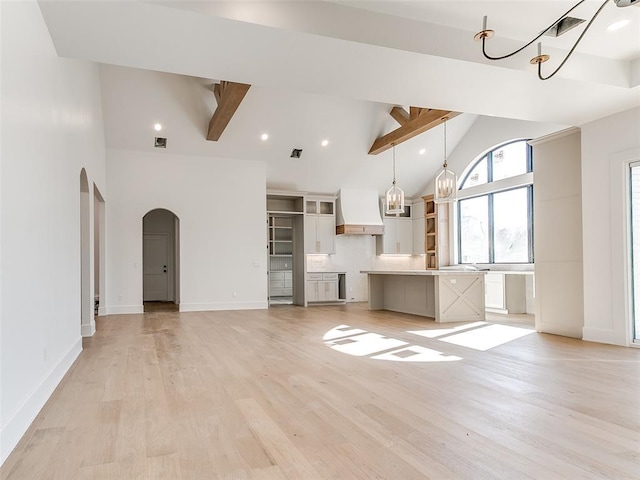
(445, 295)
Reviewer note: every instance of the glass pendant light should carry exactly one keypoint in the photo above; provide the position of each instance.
(394, 197)
(446, 181)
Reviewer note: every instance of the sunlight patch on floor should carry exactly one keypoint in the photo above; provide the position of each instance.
(341, 331)
(487, 337)
(435, 333)
(416, 353)
(360, 343)
(365, 344)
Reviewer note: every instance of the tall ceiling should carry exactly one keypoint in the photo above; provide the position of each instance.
(359, 56)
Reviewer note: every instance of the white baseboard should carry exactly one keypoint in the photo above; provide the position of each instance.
(601, 335)
(125, 309)
(501, 311)
(552, 328)
(88, 330)
(20, 420)
(205, 307)
(102, 311)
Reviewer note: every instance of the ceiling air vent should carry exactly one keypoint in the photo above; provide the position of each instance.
(562, 26)
(160, 142)
(296, 153)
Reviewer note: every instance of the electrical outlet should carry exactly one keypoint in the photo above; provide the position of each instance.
(120, 298)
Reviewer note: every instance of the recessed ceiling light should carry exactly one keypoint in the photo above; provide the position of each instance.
(264, 136)
(157, 127)
(618, 25)
(324, 143)
(422, 151)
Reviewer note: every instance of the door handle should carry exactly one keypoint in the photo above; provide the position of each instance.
(164, 269)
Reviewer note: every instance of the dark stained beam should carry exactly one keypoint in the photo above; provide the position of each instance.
(229, 95)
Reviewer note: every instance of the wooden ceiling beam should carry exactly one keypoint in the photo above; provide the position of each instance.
(229, 95)
(424, 120)
(400, 115)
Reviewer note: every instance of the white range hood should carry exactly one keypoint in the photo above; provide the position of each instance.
(358, 213)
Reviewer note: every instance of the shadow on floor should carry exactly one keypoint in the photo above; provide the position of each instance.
(160, 307)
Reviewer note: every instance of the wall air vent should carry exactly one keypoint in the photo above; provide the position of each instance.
(562, 26)
(160, 142)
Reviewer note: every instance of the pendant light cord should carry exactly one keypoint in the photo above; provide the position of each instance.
(586, 29)
(394, 164)
(444, 165)
(484, 52)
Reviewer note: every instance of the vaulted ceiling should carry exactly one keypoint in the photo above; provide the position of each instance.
(335, 69)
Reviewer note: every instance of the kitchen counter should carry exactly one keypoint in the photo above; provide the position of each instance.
(445, 295)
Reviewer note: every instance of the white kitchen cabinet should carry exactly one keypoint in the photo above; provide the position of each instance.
(505, 292)
(320, 225)
(281, 284)
(322, 287)
(417, 226)
(398, 233)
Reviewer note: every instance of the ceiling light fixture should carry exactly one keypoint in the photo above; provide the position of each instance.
(422, 151)
(446, 182)
(264, 136)
(157, 127)
(324, 143)
(394, 197)
(540, 58)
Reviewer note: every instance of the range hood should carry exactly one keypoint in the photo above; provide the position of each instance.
(358, 213)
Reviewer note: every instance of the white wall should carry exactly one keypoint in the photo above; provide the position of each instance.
(608, 145)
(557, 218)
(51, 127)
(221, 205)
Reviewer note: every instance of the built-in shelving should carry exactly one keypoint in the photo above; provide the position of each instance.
(436, 234)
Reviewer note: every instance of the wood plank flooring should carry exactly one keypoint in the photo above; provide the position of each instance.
(250, 395)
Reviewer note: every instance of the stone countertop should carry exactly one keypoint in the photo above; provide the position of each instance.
(326, 271)
(424, 272)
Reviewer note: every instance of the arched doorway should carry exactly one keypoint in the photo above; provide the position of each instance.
(87, 322)
(160, 260)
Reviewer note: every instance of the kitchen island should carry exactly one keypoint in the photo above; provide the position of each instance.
(445, 295)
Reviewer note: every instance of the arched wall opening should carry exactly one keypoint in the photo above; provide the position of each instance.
(160, 257)
(87, 322)
(99, 227)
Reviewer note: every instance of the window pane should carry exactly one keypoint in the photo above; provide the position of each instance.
(474, 230)
(477, 176)
(510, 160)
(510, 226)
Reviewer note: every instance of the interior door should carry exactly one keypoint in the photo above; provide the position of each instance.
(155, 263)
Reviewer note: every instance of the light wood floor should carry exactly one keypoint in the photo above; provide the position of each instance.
(258, 395)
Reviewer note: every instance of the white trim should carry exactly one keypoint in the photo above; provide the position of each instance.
(102, 311)
(88, 330)
(20, 420)
(497, 186)
(203, 307)
(626, 160)
(125, 309)
(554, 136)
(599, 335)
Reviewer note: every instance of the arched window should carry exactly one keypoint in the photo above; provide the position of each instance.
(495, 207)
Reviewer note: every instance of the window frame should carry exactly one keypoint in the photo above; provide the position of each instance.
(489, 189)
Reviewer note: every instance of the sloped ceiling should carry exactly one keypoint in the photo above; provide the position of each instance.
(327, 70)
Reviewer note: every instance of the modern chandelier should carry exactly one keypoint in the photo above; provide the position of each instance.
(446, 189)
(394, 197)
(540, 58)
